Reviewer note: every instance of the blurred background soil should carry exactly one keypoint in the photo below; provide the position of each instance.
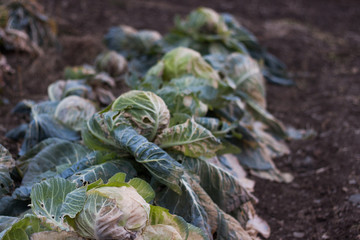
(318, 40)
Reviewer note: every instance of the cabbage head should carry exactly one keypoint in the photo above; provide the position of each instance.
(112, 63)
(184, 61)
(205, 21)
(74, 111)
(146, 111)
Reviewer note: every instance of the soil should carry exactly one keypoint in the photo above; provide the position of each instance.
(320, 42)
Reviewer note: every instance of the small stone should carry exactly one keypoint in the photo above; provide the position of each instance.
(355, 198)
(325, 236)
(352, 181)
(308, 160)
(321, 170)
(298, 234)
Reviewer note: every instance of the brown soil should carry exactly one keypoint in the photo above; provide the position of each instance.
(319, 41)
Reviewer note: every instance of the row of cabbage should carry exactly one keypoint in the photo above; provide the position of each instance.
(167, 159)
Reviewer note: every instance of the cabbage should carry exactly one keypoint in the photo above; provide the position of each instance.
(146, 111)
(205, 21)
(112, 213)
(112, 63)
(184, 61)
(73, 111)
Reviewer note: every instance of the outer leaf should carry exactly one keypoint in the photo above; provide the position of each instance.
(159, 215)
(7, 163)
(96, 134)
(44, 126)
(143, 188)
(146, 111)
(91, 159)
(246, 76)
(49, 197)
(51, 156)
(157, 161)
(217, 127)
(224, 189)
(187, 205)
(261, 114)
(191, 139)
(102, 171)
(225, 226)
(10, 206)
(18, 132)
(6, 221)
(6, 160)
(24, 228)
(74, 202)
(179, 101)
(188, 94)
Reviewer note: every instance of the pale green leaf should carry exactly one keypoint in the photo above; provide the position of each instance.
(24, 228)
(146, 111)
(49, 197)
(73, 111)
(143, 188)
(191, 139)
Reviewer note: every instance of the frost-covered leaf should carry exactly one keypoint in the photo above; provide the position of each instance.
(189, 138)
